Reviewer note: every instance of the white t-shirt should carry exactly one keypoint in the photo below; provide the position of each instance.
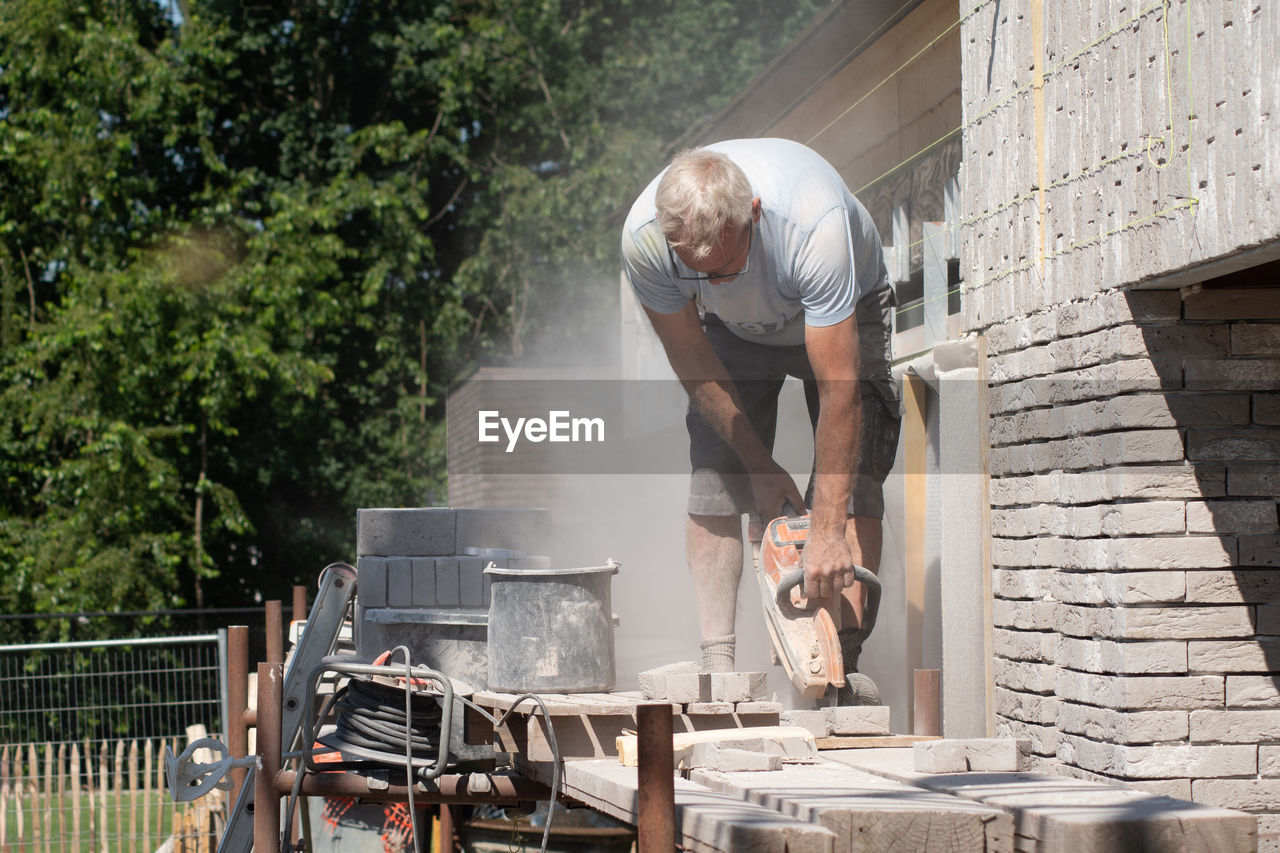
(815, 251)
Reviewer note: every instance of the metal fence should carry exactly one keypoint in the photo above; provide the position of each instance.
(83, 727)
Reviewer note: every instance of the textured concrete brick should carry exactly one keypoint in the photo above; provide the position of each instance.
(1118, 587)
(1244, 303)
(1260, 550)
(1236, 586)
(1268, 619)
(1141, 693)
(1253, 480)
(399, 582)
(1023, 676)
(684, 687)
(1259, 655)
(1105, 724)
(738, 686)
(1035, 646)
(1232, 374)
(371, 581)
(1235, 726)
(720, 710)
(958, 755)
(448, 586)
(1154, 762)
(1233, 445)
(1111, 657)
(1025, 615)
(653, 682)
(815, 721)
(1129, 553)
(858, 720)
(424, 581)
(728, 759)
(1026, 707)
(523, 530)
(1157, 623)
(1256, 516)
(421, 532)
(1269, 761)
(1247, 794)
(1255, 338)
(1044, 740)
(1252, 691)
(939, 756)
(1091, 451)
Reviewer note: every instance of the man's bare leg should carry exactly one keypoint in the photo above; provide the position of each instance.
(864, 536)
(713, 545)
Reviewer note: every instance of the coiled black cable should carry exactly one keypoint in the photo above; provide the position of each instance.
(372, 717)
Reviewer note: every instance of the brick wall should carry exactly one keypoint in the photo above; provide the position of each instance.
(1135, 460)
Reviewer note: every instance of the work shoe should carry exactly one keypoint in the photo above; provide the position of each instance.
(858, 689)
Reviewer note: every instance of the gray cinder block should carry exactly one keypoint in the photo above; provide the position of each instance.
(939, 756)
(424, 581)
(686, 687)
(371, 581)
(653, 682)
(958, 755)
(738, 686)
(420, 532)
(525, 530)
(471, 579)
(448, 591)
(399, 582)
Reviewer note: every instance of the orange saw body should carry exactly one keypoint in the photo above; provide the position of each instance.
(803, 631)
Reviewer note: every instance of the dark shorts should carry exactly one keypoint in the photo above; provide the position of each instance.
(719, 485)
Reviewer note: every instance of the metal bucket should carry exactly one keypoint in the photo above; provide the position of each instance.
(551, 630)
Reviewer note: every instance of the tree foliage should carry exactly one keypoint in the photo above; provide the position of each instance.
(245, 248)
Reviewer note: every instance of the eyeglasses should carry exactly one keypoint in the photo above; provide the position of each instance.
(702, 276)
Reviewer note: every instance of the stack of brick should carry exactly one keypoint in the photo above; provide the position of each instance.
(1135, 468)
(710, 693)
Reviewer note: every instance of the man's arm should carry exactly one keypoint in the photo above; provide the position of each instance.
(712, 392)
(833, 353)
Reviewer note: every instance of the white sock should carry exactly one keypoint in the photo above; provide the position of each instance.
(717, 653)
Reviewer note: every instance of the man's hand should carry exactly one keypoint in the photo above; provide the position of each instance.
(773, 489)
(828, 565)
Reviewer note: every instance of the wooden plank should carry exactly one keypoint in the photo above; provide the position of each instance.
(60, 805)
(4, 797)
(133, 796)
(872, 741)
(75, 795)
(915, 448)
(706, 821)
(148, 762)
(102, 797)
(47, 806)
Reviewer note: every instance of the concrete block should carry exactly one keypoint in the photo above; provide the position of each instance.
(939, 756)
(1260, 655)
(1253, 480)
(1023, 676)
(515, 529)
(686, 687)
(1255, 338)
(471, 580)
(1141, 693)
(371, 581)
(1161, 761)
(727, 759)
(1119, 588)
(1111, 657)
(1037, 646)
(1269, 761)
(1252, 691)
(1261, 550)
(815, 721)
(1234, 445)
(738, 686)
(742, 708)
(1239, 586)
(399, 582)
(424, 581)
(422, 532)
(1105, 724)
(997, 755)
(653, 682)
(448, 590)
(1246, 794)
(1026, 707)
(1235, 726)
(723, 709)
(858, 720)
(1266, 409)
(1156, 623)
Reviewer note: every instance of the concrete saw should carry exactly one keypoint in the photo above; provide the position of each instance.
(804, 631)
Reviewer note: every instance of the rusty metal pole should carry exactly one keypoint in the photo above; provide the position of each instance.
(927, 704)
(656, 813)
(266, 801)
(237, 702)
(275, 633)
(299, 604)
(448, 825)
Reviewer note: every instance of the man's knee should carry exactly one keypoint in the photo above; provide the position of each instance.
(719, 526)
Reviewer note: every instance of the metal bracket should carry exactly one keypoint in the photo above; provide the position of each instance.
(190, 780)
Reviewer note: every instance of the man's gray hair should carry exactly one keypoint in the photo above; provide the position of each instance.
(701, 194)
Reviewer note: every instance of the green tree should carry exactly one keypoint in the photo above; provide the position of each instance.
(245, 248)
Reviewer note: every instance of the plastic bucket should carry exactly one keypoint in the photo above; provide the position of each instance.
(551, 630)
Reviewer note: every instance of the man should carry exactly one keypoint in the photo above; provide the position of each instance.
(753, 262)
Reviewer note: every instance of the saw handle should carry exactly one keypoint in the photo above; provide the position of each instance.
(862, 575)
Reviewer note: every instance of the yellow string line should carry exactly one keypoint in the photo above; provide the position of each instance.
(1015, 93)
(840, 63)
(1133, 223)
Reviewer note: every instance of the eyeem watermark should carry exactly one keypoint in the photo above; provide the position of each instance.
(559, 426)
